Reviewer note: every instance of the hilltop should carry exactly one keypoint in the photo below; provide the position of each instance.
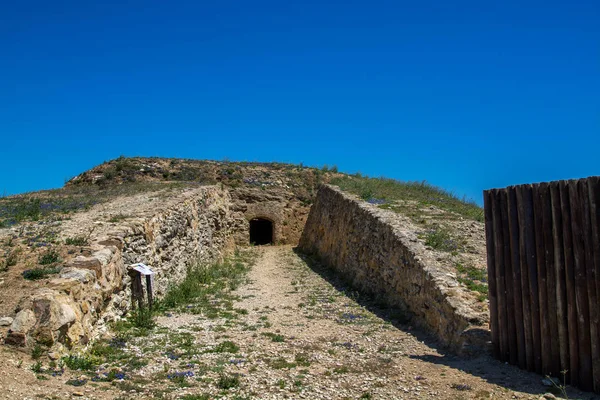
(68, 249)
(53, 223)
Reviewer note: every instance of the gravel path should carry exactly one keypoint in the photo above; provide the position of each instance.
(293, 332)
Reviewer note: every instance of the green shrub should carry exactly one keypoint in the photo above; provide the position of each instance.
(228, 381)
(40, 273)
(79, 362)
(37, 367)
(37, 351)
(202, 281)
(77, 241)
(49, 257)
(196, 397)
(440, 239)
(472, 272)
(27, 209)
(143, 318)
(275, 337)
(227, 347)
(281, 363)
(481, 288)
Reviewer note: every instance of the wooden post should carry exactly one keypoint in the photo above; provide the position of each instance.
(594, 270)
(533, 277)
(546, 208)
(508, 279)
(525, 226)
(560, 277)
(500, 276)
(513, 225)
(149, 290)
(488, 199)
(542, 293)
(573, 370)
(581, 287)
(137, 291)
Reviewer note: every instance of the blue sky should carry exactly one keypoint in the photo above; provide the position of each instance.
(466, 95)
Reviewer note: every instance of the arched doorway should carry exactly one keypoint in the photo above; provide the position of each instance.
(261, 231)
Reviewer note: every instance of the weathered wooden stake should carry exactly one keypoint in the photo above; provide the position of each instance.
(149, 290)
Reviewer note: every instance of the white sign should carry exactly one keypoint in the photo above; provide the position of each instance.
(142, 269)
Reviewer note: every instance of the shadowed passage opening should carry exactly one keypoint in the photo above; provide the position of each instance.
(261, 231)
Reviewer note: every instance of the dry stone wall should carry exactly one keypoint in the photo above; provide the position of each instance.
(95, 289)
(379, 253)
(279, 205)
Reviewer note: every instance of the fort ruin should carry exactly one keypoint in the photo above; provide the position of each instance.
(383, 250)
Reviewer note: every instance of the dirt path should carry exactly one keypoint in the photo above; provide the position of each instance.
(290, 332)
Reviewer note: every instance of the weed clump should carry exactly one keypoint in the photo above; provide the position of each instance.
(49, 257)
(77, 241)
(40, 273)
(228, 381)
(202, 282)
(79, 362)
(440, 239)
(143, 318)
(275, 337)
(474, 279)
(227, 347)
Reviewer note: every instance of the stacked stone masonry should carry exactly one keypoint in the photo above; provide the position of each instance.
(90, 291)
(378, 252)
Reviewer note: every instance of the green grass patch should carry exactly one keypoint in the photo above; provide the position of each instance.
(203, 396)
(202, 283)
(40, 273)
(439, 238)
(422, 192)
(227, 382)
(226, 347)
(472, 272)
(50, 256)
(58, 202)
(77, 241)
(480, 288)
(341, 370)
(143, 318)
(281, 363)
(474, 279)
(302, 359)
(80, 362)
(275, 337)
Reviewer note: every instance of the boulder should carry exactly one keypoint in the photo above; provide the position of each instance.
(91, 263)
(21, 325)
(23, 322)
(82, 275)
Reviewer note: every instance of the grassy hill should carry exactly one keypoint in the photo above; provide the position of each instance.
(127, 176)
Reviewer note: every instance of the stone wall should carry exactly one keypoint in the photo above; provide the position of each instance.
(280, 206)
(93, 290)
(379, 253)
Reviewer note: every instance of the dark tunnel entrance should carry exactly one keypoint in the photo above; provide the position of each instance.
(261, 231)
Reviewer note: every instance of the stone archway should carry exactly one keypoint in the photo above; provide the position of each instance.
(261, 231)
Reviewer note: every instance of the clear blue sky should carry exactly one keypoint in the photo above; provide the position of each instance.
(466, 95)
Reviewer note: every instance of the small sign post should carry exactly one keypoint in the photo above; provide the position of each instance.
(137, 292)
